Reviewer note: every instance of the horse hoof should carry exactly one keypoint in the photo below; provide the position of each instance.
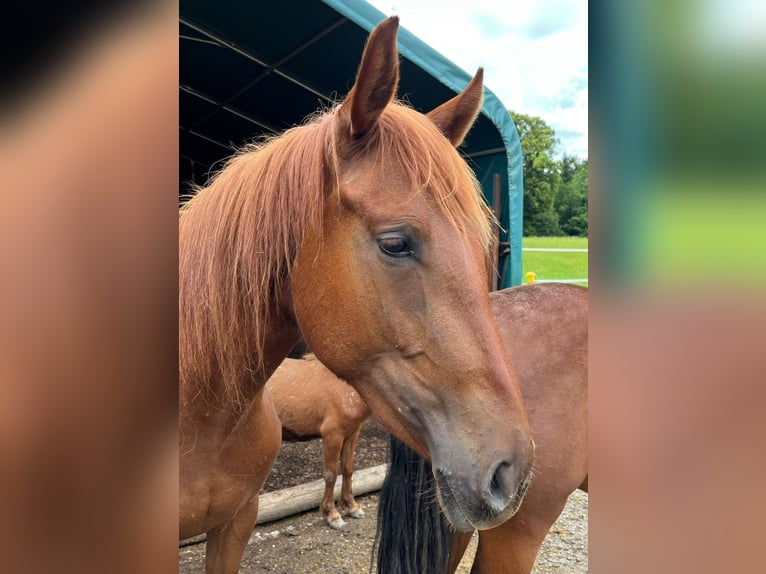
(337, 524)
(357, 513)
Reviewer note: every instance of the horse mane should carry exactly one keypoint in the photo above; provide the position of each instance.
(238, 235)
(412, 535)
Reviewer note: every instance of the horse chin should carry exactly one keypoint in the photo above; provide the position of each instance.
(451, 505)
(458, 513)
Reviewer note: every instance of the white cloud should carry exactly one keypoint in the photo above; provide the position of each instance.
(535, 55)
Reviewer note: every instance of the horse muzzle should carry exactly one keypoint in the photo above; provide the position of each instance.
(481, 501)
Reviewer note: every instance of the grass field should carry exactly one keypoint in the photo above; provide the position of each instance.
(552, 265)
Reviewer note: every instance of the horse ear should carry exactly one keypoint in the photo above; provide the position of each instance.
(455, 117)
(376, 80)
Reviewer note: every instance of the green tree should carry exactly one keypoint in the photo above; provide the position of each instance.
(541, 175)
(572, 199)
(568, 167)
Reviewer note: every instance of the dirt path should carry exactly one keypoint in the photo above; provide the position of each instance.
(303, 544)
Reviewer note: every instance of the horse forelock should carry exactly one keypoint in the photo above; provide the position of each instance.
(436, 170)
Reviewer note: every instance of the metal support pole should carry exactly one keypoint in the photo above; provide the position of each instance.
(497, 186)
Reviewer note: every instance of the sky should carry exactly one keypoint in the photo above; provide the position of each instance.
(534, 54)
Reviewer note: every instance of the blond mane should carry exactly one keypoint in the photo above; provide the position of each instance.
(238, 236)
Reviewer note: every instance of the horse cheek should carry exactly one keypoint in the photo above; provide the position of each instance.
(327, 310)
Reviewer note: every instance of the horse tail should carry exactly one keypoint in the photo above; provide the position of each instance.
(412, 535)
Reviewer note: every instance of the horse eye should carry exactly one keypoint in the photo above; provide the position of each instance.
(395, 246)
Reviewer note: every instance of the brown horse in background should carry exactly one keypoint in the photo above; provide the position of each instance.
(545, 330)
(311, 402)
(365, 231)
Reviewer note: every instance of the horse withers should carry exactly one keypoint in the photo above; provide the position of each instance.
(366, 231)
(545, 330)
(311, 402)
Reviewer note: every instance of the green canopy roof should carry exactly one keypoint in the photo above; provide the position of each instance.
(253, 68)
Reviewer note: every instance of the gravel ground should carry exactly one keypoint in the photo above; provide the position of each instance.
(565, 550)
(303, 544)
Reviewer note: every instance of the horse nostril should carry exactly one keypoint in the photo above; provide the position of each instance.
(495, 485)
(500, 486)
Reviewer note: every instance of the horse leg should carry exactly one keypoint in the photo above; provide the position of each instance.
(506, 551)
(347, 469)
(512, 547)
(460, 541)
(226, 545)
(331, 447)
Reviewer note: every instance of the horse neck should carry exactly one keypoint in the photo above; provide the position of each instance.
(282, 335)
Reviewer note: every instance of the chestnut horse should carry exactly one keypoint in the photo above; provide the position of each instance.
(311, 402)
(545, 330)
(365, 231)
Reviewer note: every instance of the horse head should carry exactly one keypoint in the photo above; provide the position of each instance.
(390, 289)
